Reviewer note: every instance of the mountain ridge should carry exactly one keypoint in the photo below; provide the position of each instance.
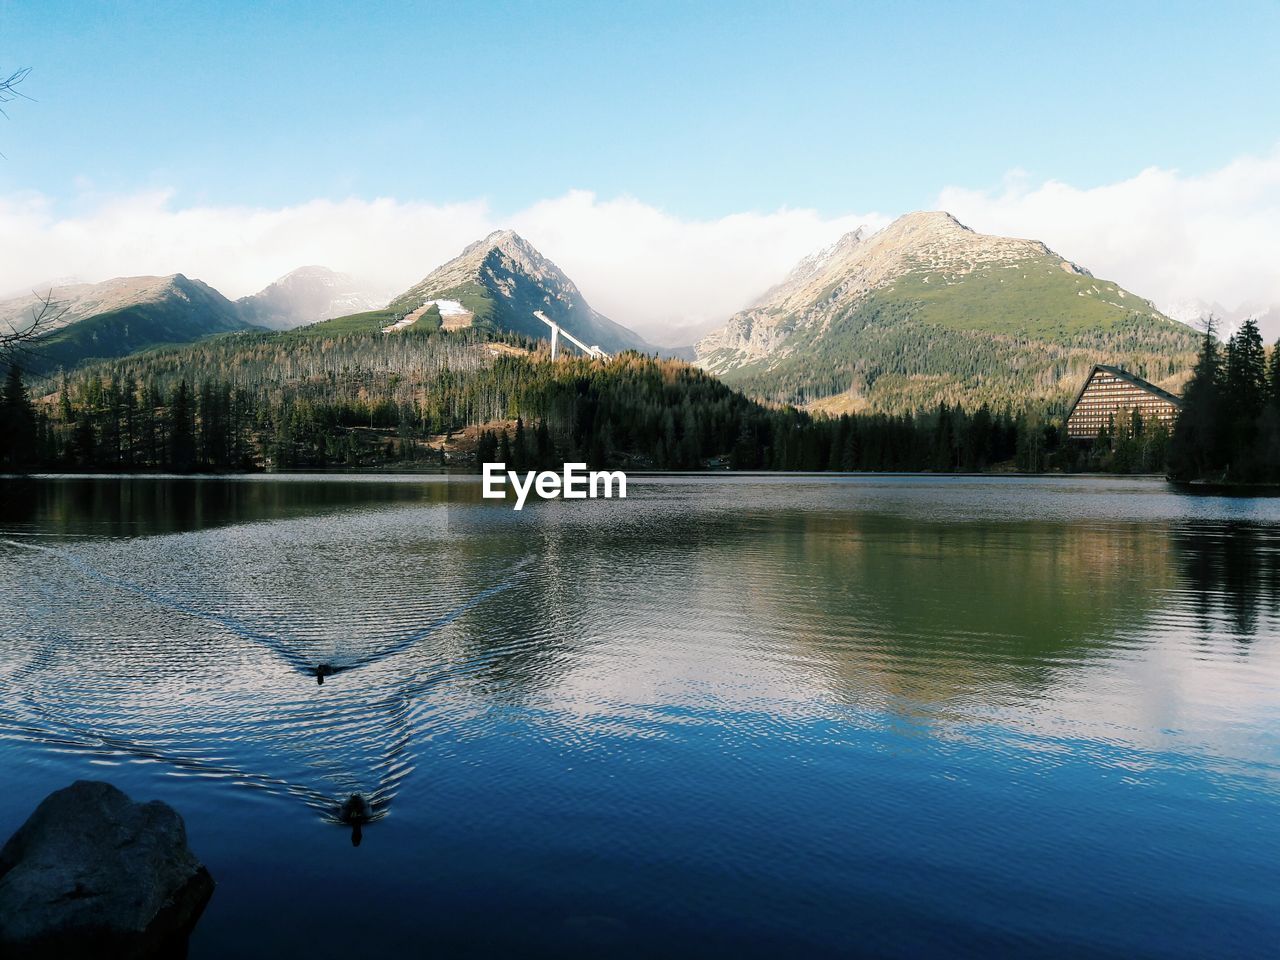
(928, 310)
(120, 316)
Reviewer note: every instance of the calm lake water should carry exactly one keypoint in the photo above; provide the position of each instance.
(778, 716)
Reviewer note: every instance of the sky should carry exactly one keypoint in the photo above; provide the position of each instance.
(674, 158)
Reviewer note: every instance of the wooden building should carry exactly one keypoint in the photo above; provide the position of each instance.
(1110, 392)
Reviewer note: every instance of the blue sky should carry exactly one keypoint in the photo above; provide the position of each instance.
(702, 109)
(629, 141)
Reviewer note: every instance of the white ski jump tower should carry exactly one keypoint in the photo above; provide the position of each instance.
(558, 331)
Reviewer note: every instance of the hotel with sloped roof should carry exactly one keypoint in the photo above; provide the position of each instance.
(1109, 394)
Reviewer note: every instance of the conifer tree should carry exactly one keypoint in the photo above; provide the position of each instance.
(519, 447)
(1196, 445)
(1273, 375)
(182, 441)
(17, 422)
(1245, 395)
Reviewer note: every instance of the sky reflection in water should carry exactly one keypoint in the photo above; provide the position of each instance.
(889, 715)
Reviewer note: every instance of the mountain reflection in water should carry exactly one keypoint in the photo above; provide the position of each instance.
(820, 715)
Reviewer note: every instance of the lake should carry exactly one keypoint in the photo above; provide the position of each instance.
(753, 715)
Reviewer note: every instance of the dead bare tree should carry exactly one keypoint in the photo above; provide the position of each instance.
(19, 343)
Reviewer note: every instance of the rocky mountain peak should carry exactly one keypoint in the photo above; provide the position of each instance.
(495, 260)
(938, 221)
(505, 242)
(935, 240)
(506, 239)
(499, 282)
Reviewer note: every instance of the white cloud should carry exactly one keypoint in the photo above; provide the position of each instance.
(1174, 238)
(656, 272)
(1171, 237)
(237, 249)
(635, 263)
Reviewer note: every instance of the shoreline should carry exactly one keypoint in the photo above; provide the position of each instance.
(265, 474)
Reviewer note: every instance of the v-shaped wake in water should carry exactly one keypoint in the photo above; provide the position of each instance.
(280, 646)
(378, 716)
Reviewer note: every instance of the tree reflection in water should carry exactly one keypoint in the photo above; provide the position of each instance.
(1230, 572)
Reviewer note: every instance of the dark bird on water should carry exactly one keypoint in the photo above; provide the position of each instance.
(356, 811)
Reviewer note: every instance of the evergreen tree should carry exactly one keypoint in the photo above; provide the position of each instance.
(17, 422)
(84, 442)
(978, 440)
(1245, 395)
(129, 424)
(546, 453)
(519, 448)
(1196, 445)
(1029, 444)
(1246, 372)
(1273, 375)
(944, 441)
(745, 454)
(486, 448)
(182, 441)
(851, 452)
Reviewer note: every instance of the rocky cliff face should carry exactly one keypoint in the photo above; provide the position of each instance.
(762, 328)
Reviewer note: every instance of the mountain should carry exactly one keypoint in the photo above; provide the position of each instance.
(926, 311)
(497, 283)
(121, 316)
(307, 295)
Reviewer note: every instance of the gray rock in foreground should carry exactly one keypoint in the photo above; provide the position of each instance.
(91, 873)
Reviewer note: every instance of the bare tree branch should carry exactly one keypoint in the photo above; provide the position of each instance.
(9, 91)
(9, 86)
(19, 342)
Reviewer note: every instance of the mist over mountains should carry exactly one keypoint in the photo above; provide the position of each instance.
(308, 295)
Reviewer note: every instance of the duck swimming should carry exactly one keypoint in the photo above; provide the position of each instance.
(324, 670)
(357, 811)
